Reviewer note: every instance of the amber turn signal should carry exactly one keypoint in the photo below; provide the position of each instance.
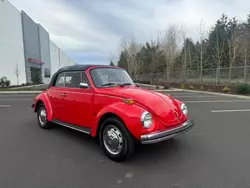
(128, 101)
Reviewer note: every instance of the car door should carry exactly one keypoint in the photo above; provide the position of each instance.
(79, 100)
(57, 94)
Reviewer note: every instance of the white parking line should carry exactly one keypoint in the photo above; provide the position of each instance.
(181, 93)
(219, 101)
(188, 96)
(16, 99)
(16, 95)
(239, 110)
(4, 106)
(169, 90)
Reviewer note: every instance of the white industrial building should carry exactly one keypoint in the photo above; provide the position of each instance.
(25, 48)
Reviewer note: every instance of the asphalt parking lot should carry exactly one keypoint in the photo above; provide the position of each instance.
(214, 154)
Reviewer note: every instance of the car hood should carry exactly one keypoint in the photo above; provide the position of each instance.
(164, 107)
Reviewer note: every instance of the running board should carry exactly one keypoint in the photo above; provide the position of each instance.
(75, 127)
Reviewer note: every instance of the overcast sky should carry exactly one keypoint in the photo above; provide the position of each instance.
(90, 30)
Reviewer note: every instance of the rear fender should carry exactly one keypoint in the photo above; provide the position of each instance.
(44, 98)
(129, 114)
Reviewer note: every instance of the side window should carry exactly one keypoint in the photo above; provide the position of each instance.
(85, 79)
(60, 80)
(72, 79)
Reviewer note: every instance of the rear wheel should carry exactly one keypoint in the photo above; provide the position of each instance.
(42, 117)
(116, 141)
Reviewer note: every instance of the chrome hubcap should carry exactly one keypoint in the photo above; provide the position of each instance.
(113, 139)
(42, 116)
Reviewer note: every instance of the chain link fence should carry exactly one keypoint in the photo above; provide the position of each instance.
(219, 76)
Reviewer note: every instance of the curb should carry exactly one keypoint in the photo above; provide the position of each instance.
(214, 93)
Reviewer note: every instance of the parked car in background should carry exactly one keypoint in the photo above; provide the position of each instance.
(104, 102)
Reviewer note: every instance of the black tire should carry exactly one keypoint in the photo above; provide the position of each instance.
(128, 140)
(46, 124)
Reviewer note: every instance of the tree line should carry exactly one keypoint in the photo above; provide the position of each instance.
(224, 45)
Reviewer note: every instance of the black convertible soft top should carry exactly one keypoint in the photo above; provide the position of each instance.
(74, 68)
(69, 68)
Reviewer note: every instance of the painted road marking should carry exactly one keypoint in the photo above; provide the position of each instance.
(170, 90)
(186, 96)
(218, 101)
(237, 110)
(16, 99)
(4, 106)
(181, 93)
(15, 95)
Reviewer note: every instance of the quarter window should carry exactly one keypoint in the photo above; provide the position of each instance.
(60, 80)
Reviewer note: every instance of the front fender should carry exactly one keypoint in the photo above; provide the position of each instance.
(129, 114)
(44, 98)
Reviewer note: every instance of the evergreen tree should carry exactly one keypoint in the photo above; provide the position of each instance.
(123, 62)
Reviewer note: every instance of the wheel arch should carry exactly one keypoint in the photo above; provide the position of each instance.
(129, 115)
(38, 103)
(43, 99)
(103, 118)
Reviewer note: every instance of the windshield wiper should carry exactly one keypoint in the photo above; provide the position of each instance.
(109, 84)
(112, 83)
(125, 84)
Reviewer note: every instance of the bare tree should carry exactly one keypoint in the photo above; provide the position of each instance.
(131, 49)
(125, 46)
(170, 48)
(245, 44)
(201, 30)
(234, 50)
(17, 73)
(219, 46)
(183, 33)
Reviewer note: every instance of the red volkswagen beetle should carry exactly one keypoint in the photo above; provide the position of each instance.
(104, 102)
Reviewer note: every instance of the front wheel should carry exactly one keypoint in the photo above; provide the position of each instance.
(42, 117)
(116, 141)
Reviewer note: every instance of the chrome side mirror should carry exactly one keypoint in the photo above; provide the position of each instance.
(83, 85)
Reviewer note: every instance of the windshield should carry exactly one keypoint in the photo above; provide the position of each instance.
(110, 77)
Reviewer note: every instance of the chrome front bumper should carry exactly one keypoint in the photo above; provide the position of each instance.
(165, 135)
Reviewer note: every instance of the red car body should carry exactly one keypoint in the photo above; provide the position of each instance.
(86, 108)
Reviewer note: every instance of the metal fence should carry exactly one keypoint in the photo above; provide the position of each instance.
(221, 76)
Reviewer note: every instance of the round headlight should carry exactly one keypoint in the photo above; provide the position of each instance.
(184, 109)
(146, 119)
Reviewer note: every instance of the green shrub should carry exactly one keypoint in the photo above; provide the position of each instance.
(182, 86)
(243, 89)
(157, 87)
(4, 82)
(225, 90)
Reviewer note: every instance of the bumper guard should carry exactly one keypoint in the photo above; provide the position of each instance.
(165, 135)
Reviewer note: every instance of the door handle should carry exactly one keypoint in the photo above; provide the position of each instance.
(63, 94)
